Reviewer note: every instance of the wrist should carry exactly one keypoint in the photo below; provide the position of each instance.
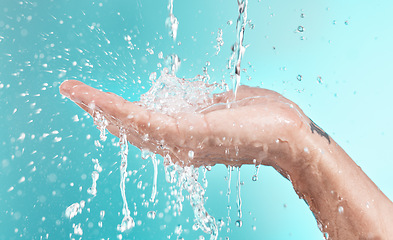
(293, 152)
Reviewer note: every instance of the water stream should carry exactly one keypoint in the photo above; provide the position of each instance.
(238, 48)
(127, 222)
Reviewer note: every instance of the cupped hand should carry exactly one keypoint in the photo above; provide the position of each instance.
(258, 127)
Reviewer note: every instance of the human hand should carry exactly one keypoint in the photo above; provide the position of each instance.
(258, 127)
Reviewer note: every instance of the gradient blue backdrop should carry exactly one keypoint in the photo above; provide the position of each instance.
(44, 42)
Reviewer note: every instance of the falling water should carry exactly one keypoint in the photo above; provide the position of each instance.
(101, 123)
(229, 193)
(255, 176)
(154, 189)
(171, 95)
(188, 179)
(238, 48)
(127, 222)
(220, 41)
(171, 22)
(238, 197)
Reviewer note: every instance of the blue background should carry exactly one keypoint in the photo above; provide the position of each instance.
(44, 42)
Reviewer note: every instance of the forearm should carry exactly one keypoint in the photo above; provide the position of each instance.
(345, 202)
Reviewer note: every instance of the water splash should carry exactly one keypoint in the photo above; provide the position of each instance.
(171, 95)
(188, 180)
(127, 222)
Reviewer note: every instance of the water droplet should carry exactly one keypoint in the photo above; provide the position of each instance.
(319, 79)
(195, 226)
(300, 29)
(191, 154)
(150, 51)
(151, 214)
(73, 210)
(346, 22)
(340, 209)
(255, 176)
(178, 229)
(239, 223)
(229, 22)
(78, 230)
(302, 15)
(221, 223)
(22, 179)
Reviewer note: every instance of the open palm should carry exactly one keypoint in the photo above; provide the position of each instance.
(256, 127)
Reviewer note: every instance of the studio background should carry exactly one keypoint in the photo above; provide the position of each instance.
(343, 54)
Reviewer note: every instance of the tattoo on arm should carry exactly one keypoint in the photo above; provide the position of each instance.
(317, 129)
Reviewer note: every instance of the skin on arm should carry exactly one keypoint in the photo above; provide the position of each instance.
(260, 127)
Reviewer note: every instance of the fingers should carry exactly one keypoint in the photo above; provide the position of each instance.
(91, 99)
(142, 125)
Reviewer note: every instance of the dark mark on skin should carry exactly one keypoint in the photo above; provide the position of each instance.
(316, 128)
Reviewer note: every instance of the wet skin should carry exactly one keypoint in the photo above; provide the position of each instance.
(259, 127)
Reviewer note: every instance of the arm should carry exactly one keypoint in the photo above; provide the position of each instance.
(260, 127)
(345, 202)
